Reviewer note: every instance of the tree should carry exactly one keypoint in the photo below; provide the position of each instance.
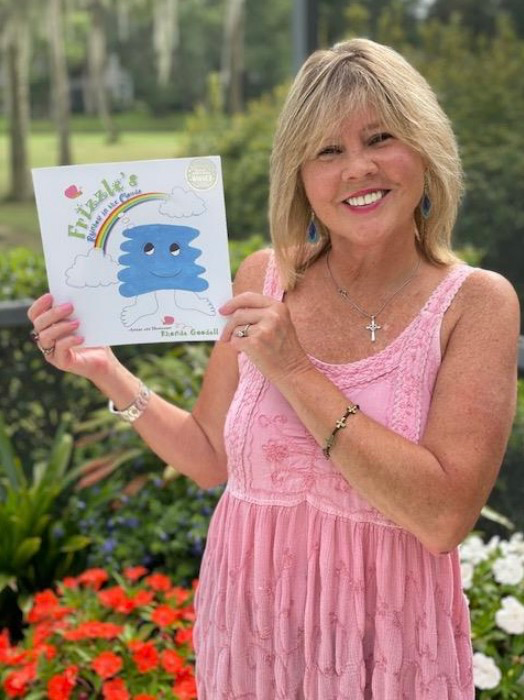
(165, 38)
(97, 60)
(233, 56)
(60, 81)
(16, 47)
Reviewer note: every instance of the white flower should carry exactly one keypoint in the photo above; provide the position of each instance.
(515, 545)
(508, 570)
(493, 544)
(466, 570)
(473, 550)
(510, 617)
(486, 674)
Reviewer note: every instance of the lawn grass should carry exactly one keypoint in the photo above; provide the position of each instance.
(19, 223)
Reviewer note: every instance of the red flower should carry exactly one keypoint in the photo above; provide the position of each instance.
(185, 685)
(164, 615)
(93, 578)
(179, 594)
(47, 606)
(115, 690)
(171, 661)
(43, 630)
(133, 573)
(184, 636)
(61, 686)
(94, 630)
(142, 598)
(145, 655)
(144, 696)
(107, 664)
(159, 582)
(70, 582)
(15, 684)
(117, 599)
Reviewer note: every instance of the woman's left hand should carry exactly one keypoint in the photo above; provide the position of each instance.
(262, 328)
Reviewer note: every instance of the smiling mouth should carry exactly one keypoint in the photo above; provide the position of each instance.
(171, 274)
(364, 200)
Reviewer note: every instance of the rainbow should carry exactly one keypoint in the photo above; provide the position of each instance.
(112, 219)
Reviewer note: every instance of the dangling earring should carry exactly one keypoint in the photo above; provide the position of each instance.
(312, 231)
(425, 203)
(425, 206)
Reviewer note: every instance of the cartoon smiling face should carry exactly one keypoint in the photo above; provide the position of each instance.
(158, 256)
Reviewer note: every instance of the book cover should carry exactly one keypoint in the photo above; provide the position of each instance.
(139, 248)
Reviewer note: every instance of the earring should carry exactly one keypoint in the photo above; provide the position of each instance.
(312, 231)
(425, 205)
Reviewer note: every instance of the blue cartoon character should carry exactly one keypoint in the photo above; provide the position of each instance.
(159, 257)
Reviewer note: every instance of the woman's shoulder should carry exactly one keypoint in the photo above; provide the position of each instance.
(487, 302)
(251, 273)
(485, 290)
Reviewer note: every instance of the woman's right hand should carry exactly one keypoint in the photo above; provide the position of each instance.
(56, 329)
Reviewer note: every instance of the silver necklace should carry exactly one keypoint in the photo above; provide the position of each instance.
(373, 327)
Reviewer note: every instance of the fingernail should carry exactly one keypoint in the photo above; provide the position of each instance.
(65, 307)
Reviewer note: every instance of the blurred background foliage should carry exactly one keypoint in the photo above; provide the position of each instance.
(166, 78)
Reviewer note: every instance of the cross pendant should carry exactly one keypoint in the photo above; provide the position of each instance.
(372, 328)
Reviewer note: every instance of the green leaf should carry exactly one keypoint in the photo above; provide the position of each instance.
(7, 581)
(495, 517)
(9, 462)
(25, 551)
(75, 543)
(59, 459)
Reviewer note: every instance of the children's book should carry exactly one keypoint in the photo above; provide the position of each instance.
(139, 248)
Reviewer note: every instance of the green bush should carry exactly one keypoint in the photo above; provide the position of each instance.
(493, 579)
(39, 537)
(162, 526)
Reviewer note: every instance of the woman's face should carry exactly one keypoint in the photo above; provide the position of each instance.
(364, 184)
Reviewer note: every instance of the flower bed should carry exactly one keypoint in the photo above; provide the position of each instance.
(123, 637)
(493, 580)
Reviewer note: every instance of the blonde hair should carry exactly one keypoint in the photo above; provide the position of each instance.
(331, 85)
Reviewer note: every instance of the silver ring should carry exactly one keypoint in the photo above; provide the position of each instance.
(33, 334)
(45, 351)
(243, 332)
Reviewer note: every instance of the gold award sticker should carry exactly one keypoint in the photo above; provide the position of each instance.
(201, 174)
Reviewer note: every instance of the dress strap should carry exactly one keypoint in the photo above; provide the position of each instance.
(272, 285)
(443, 295)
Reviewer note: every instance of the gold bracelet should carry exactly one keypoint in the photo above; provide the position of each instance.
(341, 423)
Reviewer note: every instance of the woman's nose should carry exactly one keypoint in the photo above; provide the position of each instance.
(358, 165)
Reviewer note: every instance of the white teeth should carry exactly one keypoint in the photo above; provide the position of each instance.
(368, 198)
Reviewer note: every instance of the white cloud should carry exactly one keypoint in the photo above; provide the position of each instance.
(182, 204)
(96, 269)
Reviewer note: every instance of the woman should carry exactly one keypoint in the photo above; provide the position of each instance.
(358, 403)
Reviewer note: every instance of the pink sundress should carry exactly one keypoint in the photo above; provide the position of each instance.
(306, 591)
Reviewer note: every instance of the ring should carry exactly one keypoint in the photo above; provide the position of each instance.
(34, 335)
(242, 332)
(45, 351)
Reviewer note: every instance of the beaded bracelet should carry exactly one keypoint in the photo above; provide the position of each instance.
(341, 423)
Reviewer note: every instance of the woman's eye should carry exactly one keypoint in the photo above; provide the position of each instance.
(174, 249)
(329, 151)
(149, 249)
(380, 138)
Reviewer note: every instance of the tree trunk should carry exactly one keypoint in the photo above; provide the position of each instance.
(18, 106)
(97, 63)
(60, 82)
(233, 56)
(165, 38)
